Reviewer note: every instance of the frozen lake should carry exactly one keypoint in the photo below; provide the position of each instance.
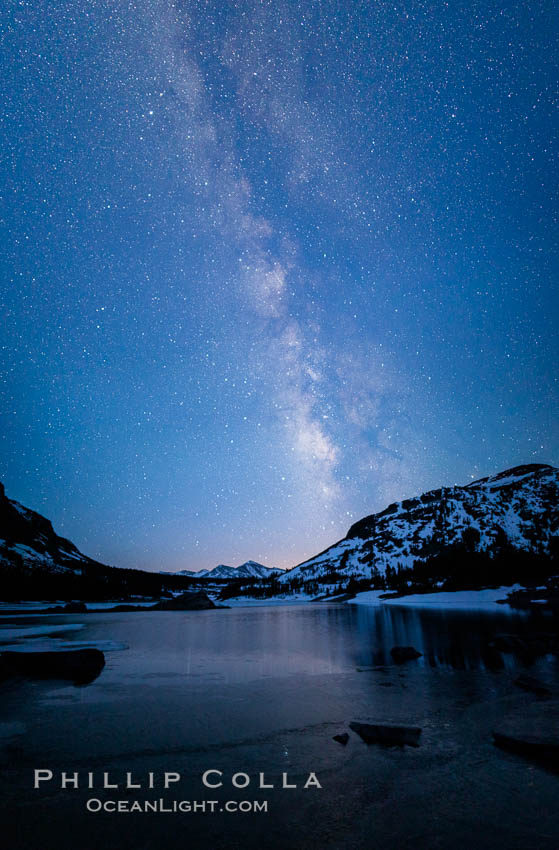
(264, 689)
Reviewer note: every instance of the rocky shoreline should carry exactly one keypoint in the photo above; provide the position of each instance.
(187, 601)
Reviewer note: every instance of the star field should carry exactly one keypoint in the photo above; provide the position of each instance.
(268, 266)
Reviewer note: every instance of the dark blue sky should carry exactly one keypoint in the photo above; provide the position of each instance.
(268, 266)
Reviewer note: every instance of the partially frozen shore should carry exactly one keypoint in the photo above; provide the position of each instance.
(459, 599)
(488, 598)
(463, 599)
(247, 601)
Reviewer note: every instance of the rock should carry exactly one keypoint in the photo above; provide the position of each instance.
(531, 732)
(541, 748)
(185, 602)
(388, 734)
(75, 608)
(79, 665)
(528, 683)
(400, 654)
(69, 608)
(341, 739)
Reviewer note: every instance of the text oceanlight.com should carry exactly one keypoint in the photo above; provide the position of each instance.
(95, 805)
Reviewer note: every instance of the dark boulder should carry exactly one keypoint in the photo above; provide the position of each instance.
(387, 734)
(528, 683)
(400, 654)
(540, 748)
(341, 739)
(185, 602)
(69, 608)
(78, 665)
(75, 608)
(531, 731)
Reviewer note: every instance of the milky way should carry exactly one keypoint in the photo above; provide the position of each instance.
(268, 266)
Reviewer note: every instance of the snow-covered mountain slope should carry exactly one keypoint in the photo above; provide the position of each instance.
(28, 540)
(517, 509)
(250, 569)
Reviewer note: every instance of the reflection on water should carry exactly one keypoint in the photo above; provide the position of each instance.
(243, 644)
(457, 639)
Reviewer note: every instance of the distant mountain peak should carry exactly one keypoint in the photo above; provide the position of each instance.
(250, 569)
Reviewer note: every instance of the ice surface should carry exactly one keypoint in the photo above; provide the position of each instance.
(56, 645)
(10, 635)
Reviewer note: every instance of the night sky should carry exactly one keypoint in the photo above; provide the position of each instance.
(269, 266)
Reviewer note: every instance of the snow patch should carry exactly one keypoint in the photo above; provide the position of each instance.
(445, 599)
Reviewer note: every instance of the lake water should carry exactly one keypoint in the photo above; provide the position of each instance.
(263, 690)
